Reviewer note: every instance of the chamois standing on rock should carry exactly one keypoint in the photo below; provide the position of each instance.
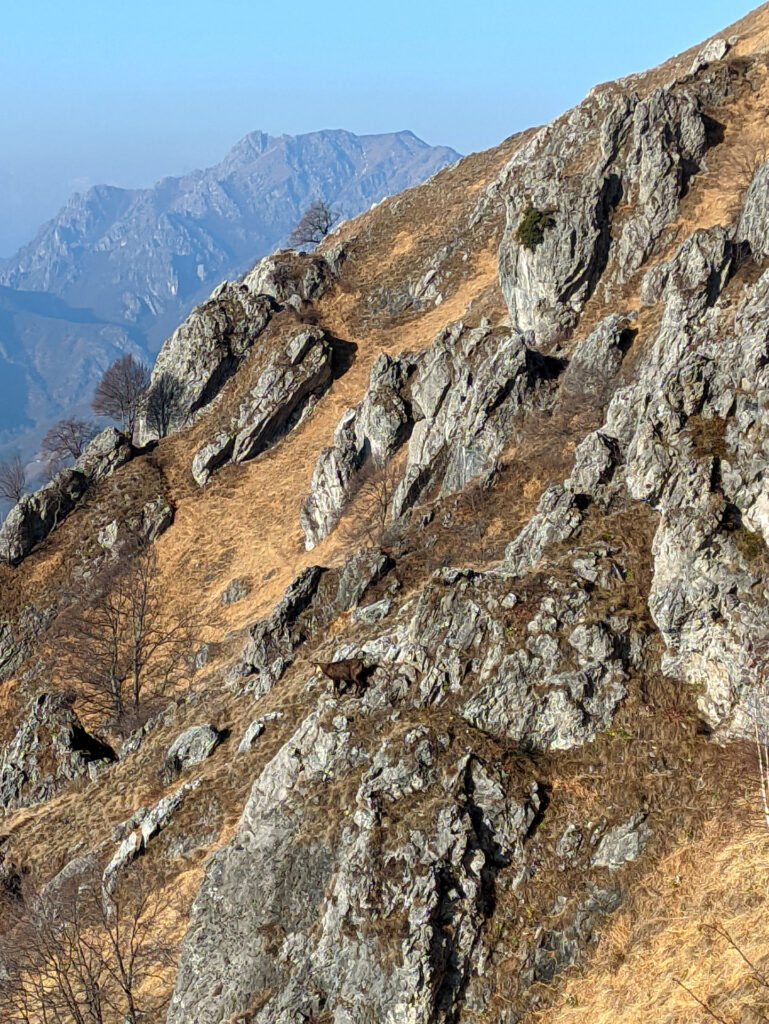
(349, 670)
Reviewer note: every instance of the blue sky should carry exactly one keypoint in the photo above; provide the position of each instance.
(128, 92)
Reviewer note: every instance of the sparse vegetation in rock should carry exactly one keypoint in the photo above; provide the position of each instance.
(530, 232)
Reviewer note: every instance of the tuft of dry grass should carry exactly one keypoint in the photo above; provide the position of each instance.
(675, 930)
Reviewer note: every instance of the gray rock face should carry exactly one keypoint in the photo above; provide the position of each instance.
(274, 405)
(50, 748)
(32, 519)
(360, 571)
(270, 648)
(558, 517)
(466, 394)
(384, 919)
(456, 403)
(371, 613)
(687, 439)
(559, 948)
(36, 515)
(193, 746)
(140, 830)
(281, 390)
(374, 429)
(17, 636)
(323, 902)
(754, 221)
(595, 362)
(205, 351)
(642, 152)
(211, 456)
(116, 270)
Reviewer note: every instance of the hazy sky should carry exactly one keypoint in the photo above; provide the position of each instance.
(126, 93)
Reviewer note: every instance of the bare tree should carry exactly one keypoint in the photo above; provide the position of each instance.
(372, 506)
(78, 956)
(13, 479)
(121, 391)
(163, 404)
(67, 440)
(122, 644)
(314, 224)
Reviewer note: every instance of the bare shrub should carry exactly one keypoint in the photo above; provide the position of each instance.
(67, 440)
(120, 393)
(121, 645)
(77, 956)
(163, 405)
(13, 480)
(377, 483)
(315, 223)
(741, 164)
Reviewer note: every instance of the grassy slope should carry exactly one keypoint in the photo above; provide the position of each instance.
(709, 850)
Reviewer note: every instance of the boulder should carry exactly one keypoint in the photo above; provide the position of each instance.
(622, 844)
(193, 746)
(235, 591)
(251, 735)
(107, 452)
(372, 613)
(119, 537)
(211, 456)
(716, 49)
(292, 278)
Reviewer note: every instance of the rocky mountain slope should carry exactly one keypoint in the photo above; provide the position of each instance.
(127, 264)
(466, 512)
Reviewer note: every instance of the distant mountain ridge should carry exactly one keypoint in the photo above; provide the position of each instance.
(141, 255)
(131, 263)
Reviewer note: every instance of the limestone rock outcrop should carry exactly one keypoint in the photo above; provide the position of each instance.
(49, 749)
(443, 874)
(456, 404)
(291, 380)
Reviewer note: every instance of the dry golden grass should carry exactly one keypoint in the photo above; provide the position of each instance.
(666, 933)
